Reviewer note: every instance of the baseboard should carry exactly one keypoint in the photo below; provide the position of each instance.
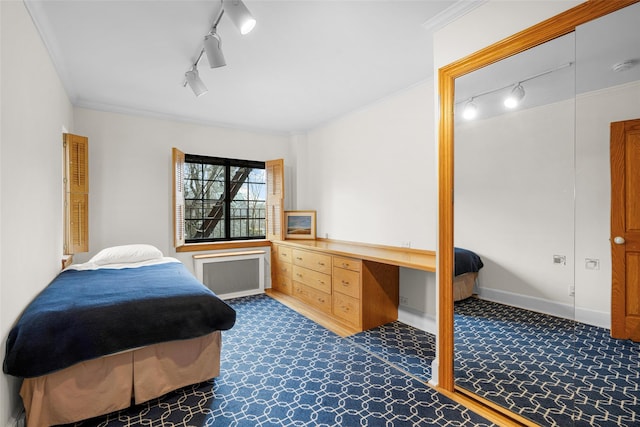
(417, 319)
(567, 311)
(539, 305)
(240, 294)
(434, 373)
(594, 318)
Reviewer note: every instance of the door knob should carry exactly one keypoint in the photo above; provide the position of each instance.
(618, 240)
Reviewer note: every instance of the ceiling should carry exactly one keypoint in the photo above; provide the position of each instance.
(305, 63)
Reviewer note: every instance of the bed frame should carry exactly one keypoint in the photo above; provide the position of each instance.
(110, 383)
(463, 285)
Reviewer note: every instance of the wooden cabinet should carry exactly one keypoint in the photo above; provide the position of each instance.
(76, 201)
(358, 294)
(281, 269)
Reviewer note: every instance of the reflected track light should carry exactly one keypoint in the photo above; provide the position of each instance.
(470, 110)
(213, 48)
(239, 15)
(194, 82)
(514, 98)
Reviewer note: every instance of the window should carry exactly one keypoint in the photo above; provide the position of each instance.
(224, 199)
(200, 192)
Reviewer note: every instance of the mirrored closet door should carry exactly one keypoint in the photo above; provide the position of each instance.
(514, 207)
(532, 199)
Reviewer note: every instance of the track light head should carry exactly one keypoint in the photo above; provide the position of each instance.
(239, 15)
(514, 98)
(194, 82)
(213, 48)
(470, 110)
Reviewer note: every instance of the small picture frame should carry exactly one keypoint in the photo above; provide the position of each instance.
(300, 224)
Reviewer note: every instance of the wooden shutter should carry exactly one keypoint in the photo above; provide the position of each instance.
(275, 199)
(76, 179)
(178, 197)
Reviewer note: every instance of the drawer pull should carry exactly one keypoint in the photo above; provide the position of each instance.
(321, 263)
(345, 265)
(299, 274)
(299, 258)
(321, 300)
(321, 281)
(345, 283)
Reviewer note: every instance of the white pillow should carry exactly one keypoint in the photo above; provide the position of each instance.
(126, 254)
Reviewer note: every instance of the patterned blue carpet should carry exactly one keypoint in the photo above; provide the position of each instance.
(553, 371)
(411, 350)
(280, 369)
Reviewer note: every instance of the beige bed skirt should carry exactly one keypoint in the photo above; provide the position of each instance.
(110, 383)
(463, 286)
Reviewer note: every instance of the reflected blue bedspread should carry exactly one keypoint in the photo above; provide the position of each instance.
(466, 261)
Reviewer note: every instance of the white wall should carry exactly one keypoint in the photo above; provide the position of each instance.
(371, 173)
(34, 111)
(594, 112)
(130, 173)
(371, 176)
(514, 204)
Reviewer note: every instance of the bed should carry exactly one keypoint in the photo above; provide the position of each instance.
(128, 326)
(467, 266)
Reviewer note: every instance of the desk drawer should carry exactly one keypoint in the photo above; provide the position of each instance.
(284, 254)
(346, 282)
(316, 280)
(312, 260)
(347, 263)
(316, 299)
(347, 309)
(283, 284)
(284, 269)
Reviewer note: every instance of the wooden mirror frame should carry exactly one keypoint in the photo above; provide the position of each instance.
(549, 29)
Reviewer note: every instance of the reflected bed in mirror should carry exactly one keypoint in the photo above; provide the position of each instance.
(532, 197)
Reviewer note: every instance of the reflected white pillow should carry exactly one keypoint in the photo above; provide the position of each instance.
(126, 254)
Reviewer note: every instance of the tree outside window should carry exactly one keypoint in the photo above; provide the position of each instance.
(224, 199)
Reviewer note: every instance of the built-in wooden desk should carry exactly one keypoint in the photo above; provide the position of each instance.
(347, 287)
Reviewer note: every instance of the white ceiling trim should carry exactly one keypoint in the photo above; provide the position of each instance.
(117, 109)
(43, 27)
(450, 14)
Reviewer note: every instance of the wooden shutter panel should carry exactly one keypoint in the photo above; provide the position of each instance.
(178, 197)
(76, 179)
(275, 199)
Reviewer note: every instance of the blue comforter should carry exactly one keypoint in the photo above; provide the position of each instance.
(83, 315)
(466, 261)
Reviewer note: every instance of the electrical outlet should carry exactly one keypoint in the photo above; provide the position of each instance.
(406, 244)
(572, 290)
(592, 264)
(404, 300)
(560, 259)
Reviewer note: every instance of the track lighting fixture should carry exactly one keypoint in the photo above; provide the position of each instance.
(514, 98)
(241, 18)
(239, 15)
(193, 79)
(470, 111)
(213, 48)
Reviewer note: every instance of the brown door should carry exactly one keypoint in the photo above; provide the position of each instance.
(625, 229)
